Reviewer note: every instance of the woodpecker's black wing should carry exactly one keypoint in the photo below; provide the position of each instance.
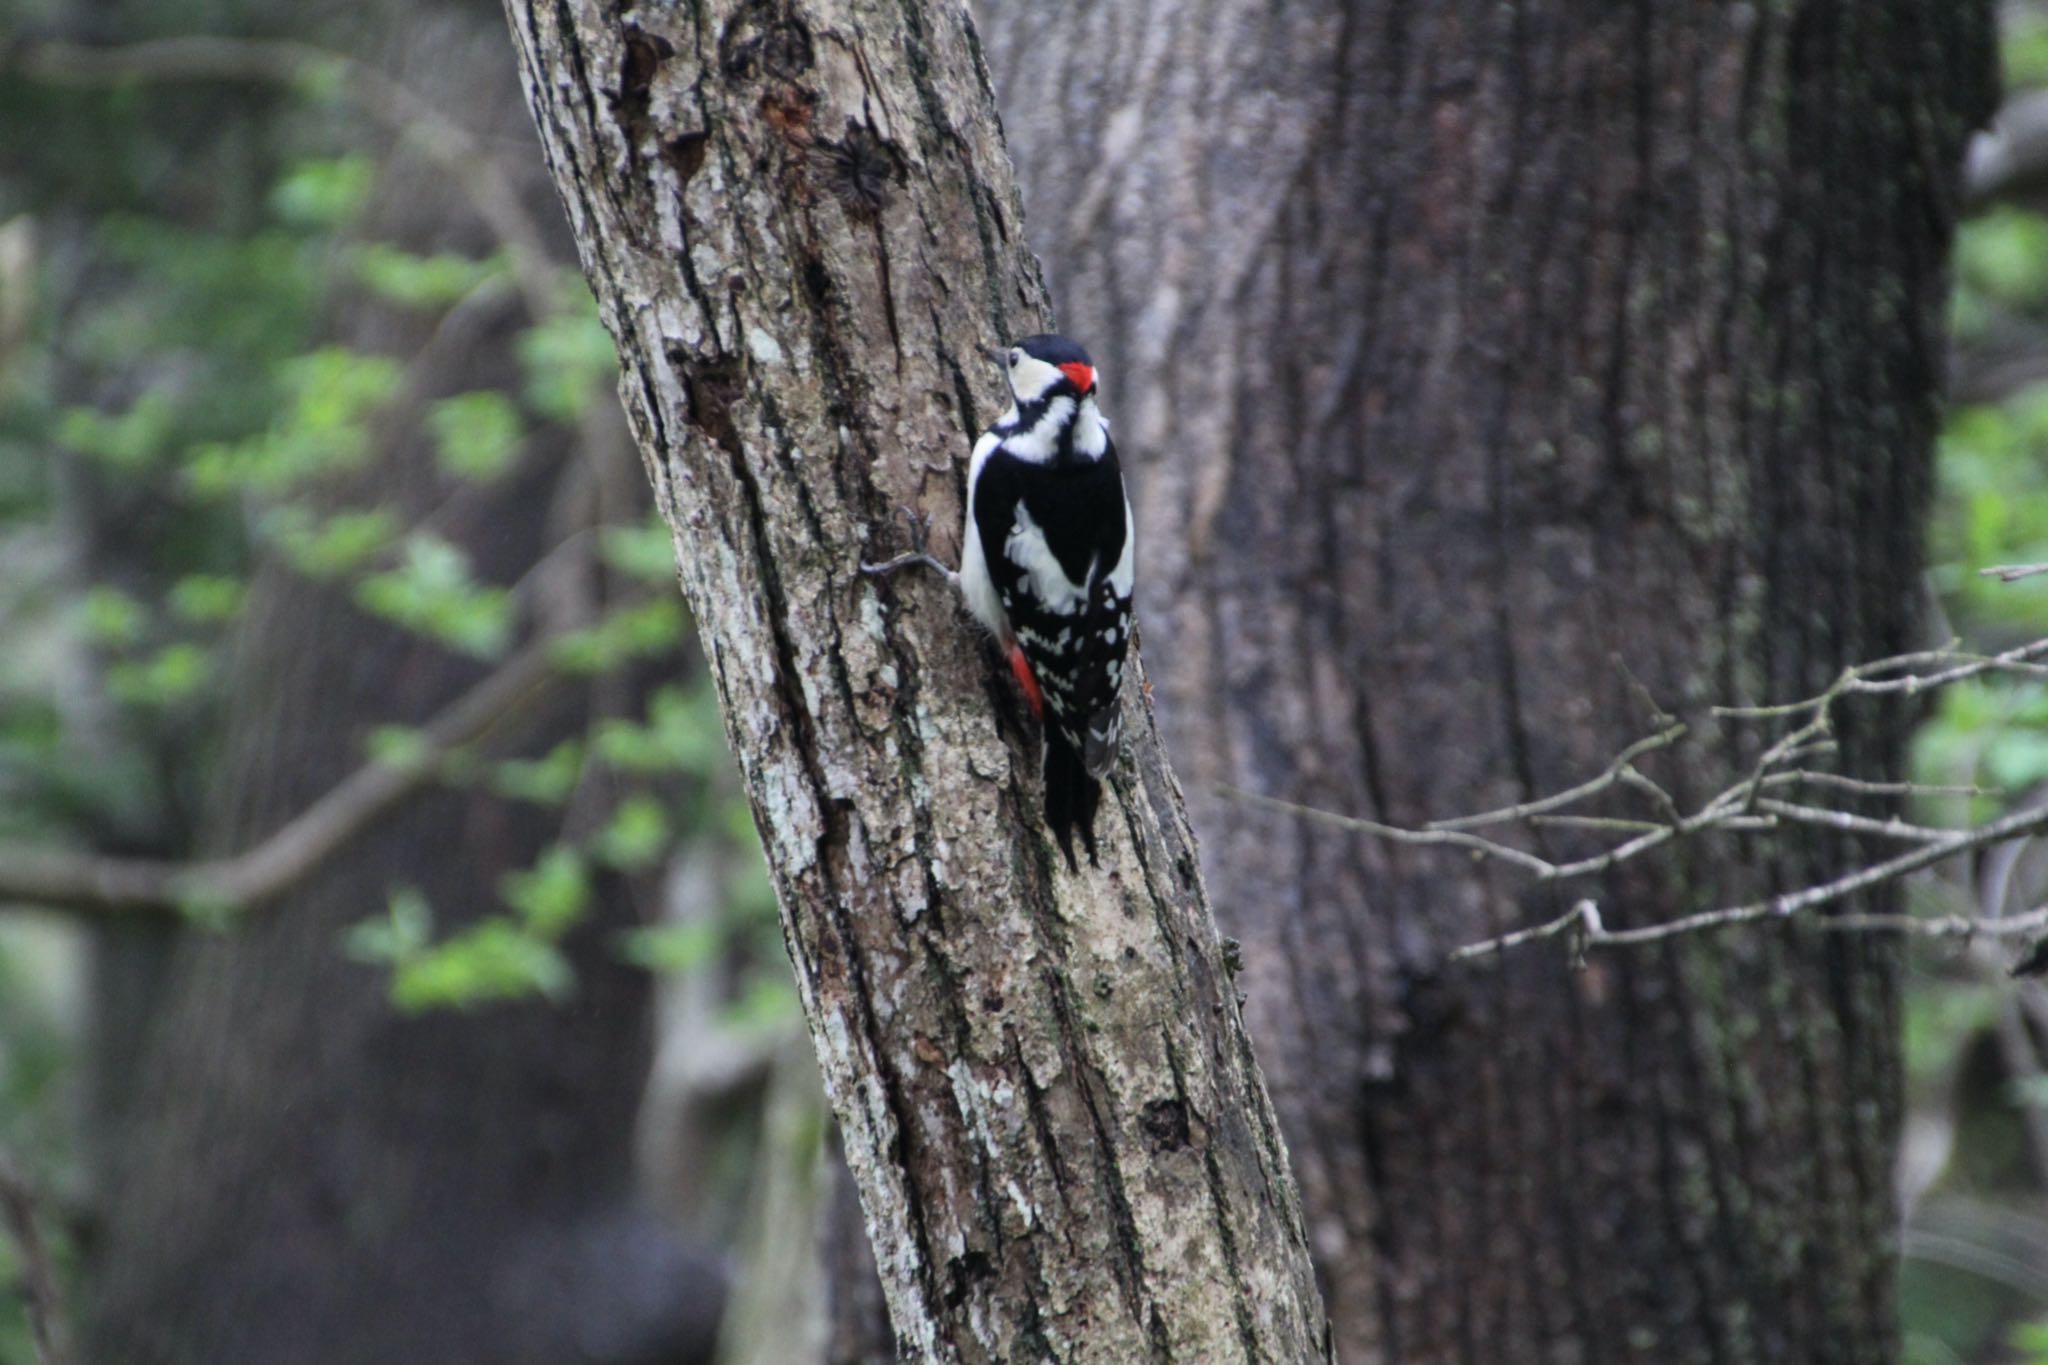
(1055, 538)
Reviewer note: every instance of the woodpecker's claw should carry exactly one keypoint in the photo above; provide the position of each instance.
(920, 524)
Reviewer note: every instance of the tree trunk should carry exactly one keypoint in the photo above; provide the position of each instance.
(309, 1175)
(799, 222)
(1474, 359)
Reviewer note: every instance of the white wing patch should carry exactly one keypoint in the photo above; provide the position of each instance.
(975, 584)
(1124, 576)
(1026, 548)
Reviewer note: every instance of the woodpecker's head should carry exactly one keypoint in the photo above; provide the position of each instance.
(1042, 366)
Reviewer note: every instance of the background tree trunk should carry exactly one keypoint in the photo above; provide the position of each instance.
(308, 1175)
(1472, 358)
(799, 223)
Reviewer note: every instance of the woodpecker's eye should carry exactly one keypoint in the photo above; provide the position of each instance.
(1015, 356)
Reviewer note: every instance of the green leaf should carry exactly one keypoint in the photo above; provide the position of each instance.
(636, 836)
(492, 960)
(645, 630)
(414, 281)
(338, 545)
(568, 360)
(476, 435)
(323, 192)
(432, 592)
(173, 674)
(400, 746)
(551, 896)
(681, 735)
(672, 947)
(208, 599)
(769, 1001)
(2004, 254)
(324, 429)
(132, 442)
(111, 618)
(401, 934)
(647, 552)
(545, 781)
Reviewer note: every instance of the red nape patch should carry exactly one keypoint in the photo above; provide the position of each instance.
(1021, 666)
(1082, 375)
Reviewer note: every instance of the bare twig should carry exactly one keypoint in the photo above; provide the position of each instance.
(2017, 825)
(2012, 573)
(1440, 838)
(40, 1291)
(65, 880)
(1663, 739)
(1746, 805)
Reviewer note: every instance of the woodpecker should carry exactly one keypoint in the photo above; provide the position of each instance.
(1046, 564)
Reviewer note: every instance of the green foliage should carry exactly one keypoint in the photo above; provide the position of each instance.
(207, 599)
(551, 897)
(165, 677)
(673, 947)
(637, 836)
(568, 359)
(111, 618)
(332, 546)
(642, 630)
(681, 735)
(331, 392)
(646, 551)
(544, 781)
(131, 442)
(2023, 48)
(423, 282)
(324, 192)
(476, 435)
(432, 591)
(2004, 255)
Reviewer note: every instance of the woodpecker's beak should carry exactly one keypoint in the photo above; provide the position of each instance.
(999, 354)
(1082, 375)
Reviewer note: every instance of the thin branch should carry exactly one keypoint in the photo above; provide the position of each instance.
(64, 880)
(1663, 739)
(1862, 786)
(1440, 838)
(41, 1295)
(1850, 823)
(2015, 826)
(2012, 573)
(400, 109)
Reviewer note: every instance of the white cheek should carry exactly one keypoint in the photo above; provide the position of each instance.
(1031, 377)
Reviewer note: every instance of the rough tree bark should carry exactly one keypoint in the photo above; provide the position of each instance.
(1468, 352)
(800, 225)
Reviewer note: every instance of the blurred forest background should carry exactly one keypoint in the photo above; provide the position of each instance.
(322, 543)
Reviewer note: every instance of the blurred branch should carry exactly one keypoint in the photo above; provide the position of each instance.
(1746, 804)
(40, 1293)
(2012, 573)
(91, 882)
(401, 110)
(2009, 160)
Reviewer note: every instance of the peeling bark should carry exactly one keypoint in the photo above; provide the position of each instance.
(1472, 357)
(800, 225)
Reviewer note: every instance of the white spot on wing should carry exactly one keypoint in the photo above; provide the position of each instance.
(1026, 548)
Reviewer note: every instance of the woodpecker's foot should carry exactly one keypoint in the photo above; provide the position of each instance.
(920, 525)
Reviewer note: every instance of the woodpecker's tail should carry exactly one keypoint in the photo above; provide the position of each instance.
(1098, 751)
(1071, 796)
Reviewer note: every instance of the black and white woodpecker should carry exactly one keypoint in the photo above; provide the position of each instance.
(1047, 565)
